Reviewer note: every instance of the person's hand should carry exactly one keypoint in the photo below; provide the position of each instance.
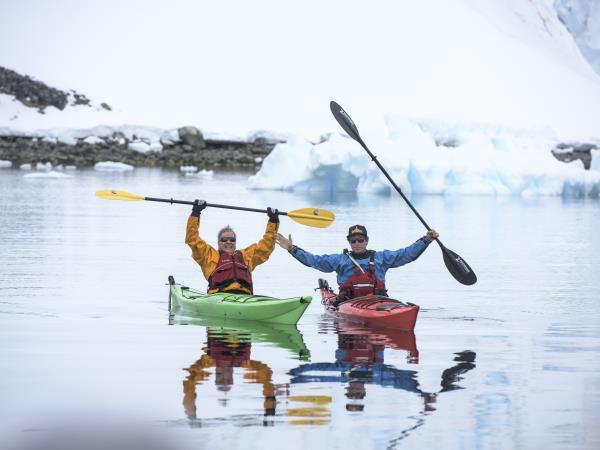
(284, 243)
(273, 215)
(199, 205)
(432, 235)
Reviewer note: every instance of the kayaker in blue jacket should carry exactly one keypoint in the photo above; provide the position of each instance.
(359, 271)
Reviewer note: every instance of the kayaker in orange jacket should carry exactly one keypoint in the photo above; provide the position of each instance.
(226, 268)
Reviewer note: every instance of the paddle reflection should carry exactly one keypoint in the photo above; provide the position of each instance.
(229, 348)
(359, 362)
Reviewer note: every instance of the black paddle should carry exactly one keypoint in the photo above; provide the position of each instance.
(457, 266)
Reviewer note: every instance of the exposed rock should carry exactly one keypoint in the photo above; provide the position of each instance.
(570, 151)
(192, 136)
(31, 92)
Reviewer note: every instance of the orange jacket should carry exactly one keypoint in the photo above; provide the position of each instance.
(207, 257)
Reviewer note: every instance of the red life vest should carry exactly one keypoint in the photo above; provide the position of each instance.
(230, 268)
(361, 284)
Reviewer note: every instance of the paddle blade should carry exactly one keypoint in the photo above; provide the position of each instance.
(312, 217)
(112, 194)
(458, 267)
(345, 121)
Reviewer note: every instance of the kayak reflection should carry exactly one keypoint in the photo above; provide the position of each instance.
(228, 347)
(359, 361)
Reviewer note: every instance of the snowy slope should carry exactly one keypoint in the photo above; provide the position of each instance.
(582, 19)
(254, 65)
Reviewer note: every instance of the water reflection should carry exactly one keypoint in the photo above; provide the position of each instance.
(228, 347)
(359, 362)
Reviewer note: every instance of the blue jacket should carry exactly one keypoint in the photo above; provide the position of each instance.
(344, 267)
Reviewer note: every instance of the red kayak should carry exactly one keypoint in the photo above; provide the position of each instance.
(372, 310)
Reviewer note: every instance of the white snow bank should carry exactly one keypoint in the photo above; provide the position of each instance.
(5, 164)
(111, 166)
(481, 160)
(93, 140)
(140, 147)
(49, 175)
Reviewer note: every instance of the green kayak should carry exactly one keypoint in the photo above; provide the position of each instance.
(183, 300)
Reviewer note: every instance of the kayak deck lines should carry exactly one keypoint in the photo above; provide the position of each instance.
(234, 298)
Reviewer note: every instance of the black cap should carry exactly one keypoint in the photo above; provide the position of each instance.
(357, 229)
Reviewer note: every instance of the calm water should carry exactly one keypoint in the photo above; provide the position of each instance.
(512, 362)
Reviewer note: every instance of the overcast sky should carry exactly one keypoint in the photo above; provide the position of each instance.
(269, 64)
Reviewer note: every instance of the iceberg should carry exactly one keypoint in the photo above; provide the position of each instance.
(430, 157)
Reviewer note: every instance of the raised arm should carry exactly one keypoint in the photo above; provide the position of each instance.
(259, 252)
(397, 258)
(205, 255)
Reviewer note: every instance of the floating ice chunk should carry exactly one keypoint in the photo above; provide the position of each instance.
(49, 175)
(111, 166)
(25, 166)
(43, 167)
(188, 169)
(70, 167)
(5, 164)
(205, 173)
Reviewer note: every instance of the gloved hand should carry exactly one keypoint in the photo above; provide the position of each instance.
(431, 235)
(273, 215)
(199, 205)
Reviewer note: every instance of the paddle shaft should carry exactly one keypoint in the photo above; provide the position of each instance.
(457, 266)
(212, 205)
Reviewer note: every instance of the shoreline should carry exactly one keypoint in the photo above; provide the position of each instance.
(204, 154)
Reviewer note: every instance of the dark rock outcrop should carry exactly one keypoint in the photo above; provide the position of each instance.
(31, 92)
(192, 136)
(570, 151)
(36, 94)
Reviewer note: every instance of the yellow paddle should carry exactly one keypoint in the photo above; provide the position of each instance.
(312, 217)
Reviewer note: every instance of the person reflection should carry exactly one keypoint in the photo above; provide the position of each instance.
(360, 362)
(226, 351)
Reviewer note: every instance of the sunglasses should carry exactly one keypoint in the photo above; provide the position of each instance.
(355, 240)
(227, 239)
